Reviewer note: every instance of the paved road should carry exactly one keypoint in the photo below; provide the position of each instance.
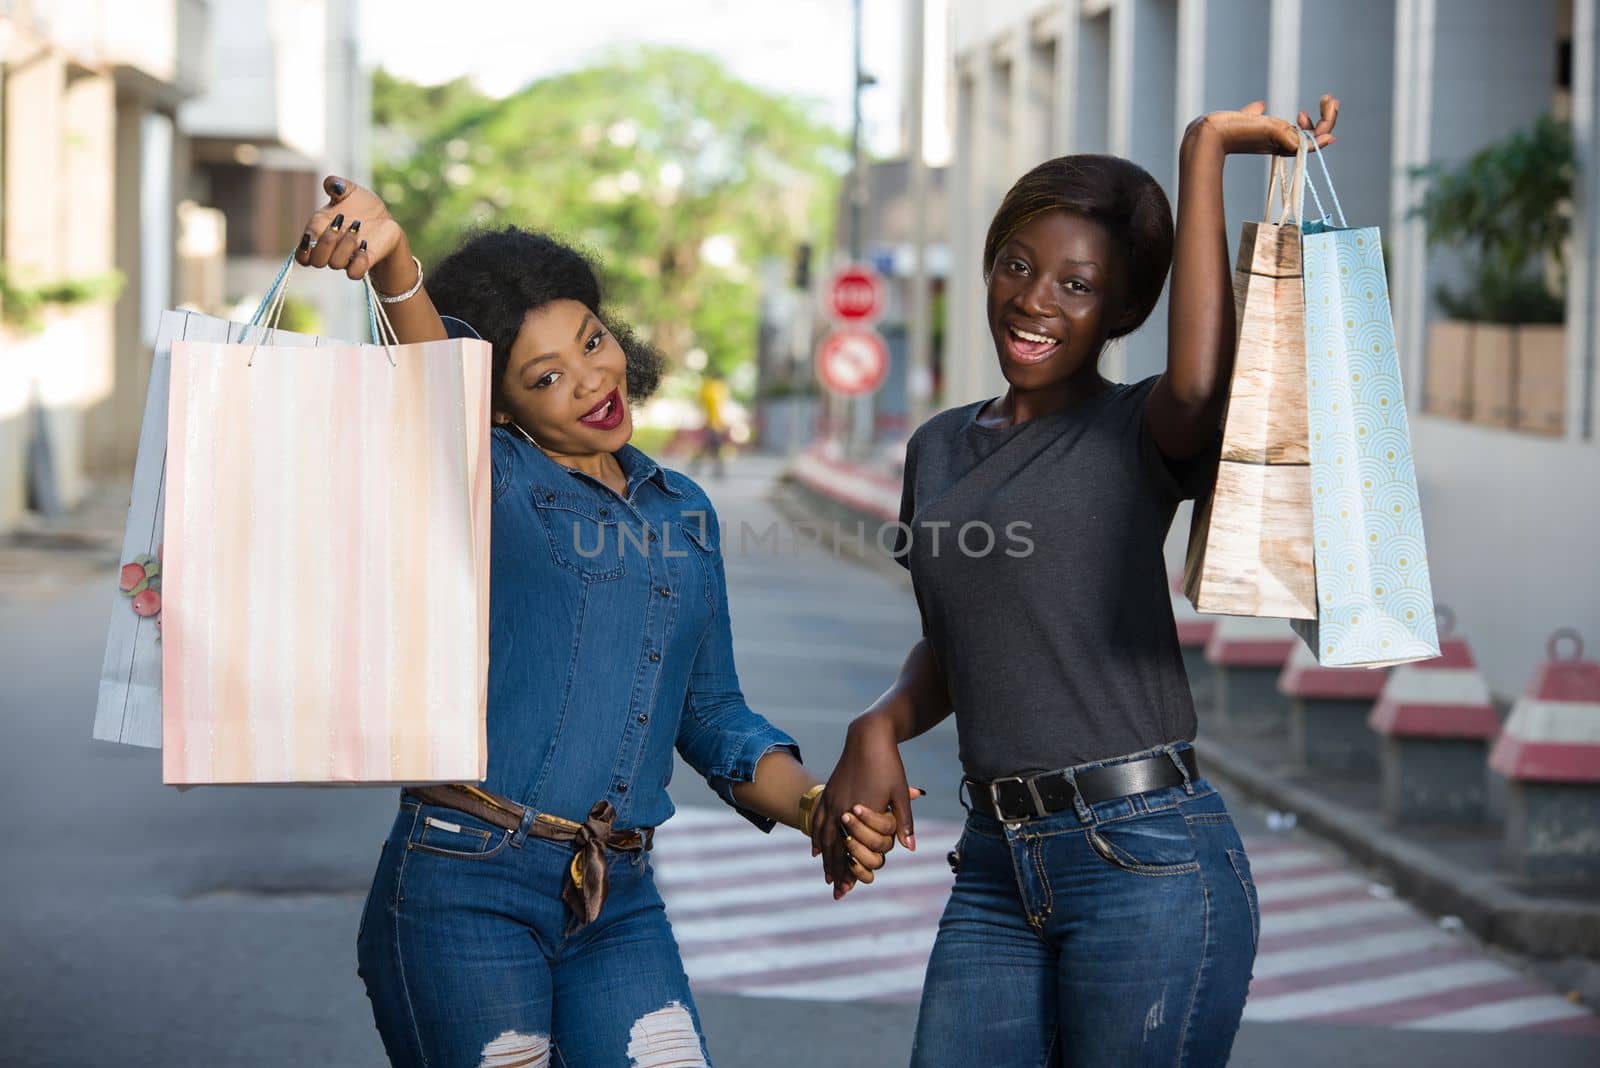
(141, 926)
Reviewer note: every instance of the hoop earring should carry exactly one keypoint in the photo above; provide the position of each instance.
(512, 424)
(518, 427)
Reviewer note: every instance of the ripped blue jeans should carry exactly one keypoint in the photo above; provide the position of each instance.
(468, 955)
(1116, 934)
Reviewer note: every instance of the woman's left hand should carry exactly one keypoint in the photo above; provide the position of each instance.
(1250, 130)
(870, 837)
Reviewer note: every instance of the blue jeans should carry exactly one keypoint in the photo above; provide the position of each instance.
(1119, 934)
(469, 955)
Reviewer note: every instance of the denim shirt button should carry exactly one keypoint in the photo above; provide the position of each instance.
(622, 787)
(655, 657)
(666, 591)
(652, 535)
(605, 512)
(644, 717)
(549, 496)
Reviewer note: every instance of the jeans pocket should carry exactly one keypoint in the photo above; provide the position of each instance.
(1241, 868)
(1152, 843)
(456, 835)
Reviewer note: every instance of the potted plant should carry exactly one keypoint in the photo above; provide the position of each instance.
(1499, 356)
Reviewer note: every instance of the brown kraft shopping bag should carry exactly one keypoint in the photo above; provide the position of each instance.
(1250, 545)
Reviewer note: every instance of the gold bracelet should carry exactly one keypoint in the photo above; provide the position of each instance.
(808, 801)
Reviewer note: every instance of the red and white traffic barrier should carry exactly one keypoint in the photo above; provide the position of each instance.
(1433, 722)
(1303, 677)
(1328, 709)
(1249, 642)
(1248, 655)
(1446, 697)
(1553, 734)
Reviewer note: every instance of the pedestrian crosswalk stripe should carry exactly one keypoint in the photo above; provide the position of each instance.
(848, 913)
(1327, 1000)
(858, 984)
(765, 892)
(1341, 915)
(1286, 859)
(754, 917)
(795, 858)
(1517, 1012)
(1276, 965)
(849, 951)
(1271, 892)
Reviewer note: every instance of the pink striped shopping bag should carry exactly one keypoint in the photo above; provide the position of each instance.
(325, 601)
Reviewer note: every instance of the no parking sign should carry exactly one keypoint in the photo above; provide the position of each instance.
(852, 361)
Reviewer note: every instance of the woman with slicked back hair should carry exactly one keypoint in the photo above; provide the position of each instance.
(1103, 912)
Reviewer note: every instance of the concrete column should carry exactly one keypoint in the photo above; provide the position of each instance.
(32, 205)
(1091, 85)
(1583, 278)
(1021, 114)
(88, 248)
(971, 349)
(1348, 50)
(1222, 64)
(1143, 127)
(958, 355)
(1039, 99)
(1466, 73)
(1064, 107)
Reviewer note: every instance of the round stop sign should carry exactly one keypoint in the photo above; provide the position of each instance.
(855, 294)
(852, 361)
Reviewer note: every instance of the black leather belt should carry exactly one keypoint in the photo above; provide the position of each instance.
(1016, 798)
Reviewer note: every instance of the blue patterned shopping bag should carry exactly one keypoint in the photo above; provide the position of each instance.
(1374, 598)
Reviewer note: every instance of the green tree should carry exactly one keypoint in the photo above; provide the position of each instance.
(678, 176)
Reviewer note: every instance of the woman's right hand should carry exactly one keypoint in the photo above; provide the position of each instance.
(355, 233)
(869, 774)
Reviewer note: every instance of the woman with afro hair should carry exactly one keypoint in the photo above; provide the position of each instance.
(1103, 912)
(516, 922)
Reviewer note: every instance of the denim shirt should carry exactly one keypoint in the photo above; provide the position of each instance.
(609, 641)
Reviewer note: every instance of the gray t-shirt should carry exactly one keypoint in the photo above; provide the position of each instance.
(1036, 555)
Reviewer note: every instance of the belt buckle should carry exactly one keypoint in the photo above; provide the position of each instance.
(994, 799)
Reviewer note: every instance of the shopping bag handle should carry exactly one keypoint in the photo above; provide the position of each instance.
(1306, 138)
(270, 311)
(1289, 187)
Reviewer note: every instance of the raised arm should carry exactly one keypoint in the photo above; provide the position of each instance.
(1186, 405)
(355, 233)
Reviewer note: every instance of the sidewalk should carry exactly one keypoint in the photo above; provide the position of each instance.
(1456, 875)
(42, 558)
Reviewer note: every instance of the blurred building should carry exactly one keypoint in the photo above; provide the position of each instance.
(1511, 513)
(150, 138)
(888, 243)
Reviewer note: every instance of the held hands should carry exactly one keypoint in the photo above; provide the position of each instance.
(1250, 130)
(355, 233)
(864, 808)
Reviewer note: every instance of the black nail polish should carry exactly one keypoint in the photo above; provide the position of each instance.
(305, 242)
(338, 189)
(338, 221)
(362, 247)
(355, 227)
